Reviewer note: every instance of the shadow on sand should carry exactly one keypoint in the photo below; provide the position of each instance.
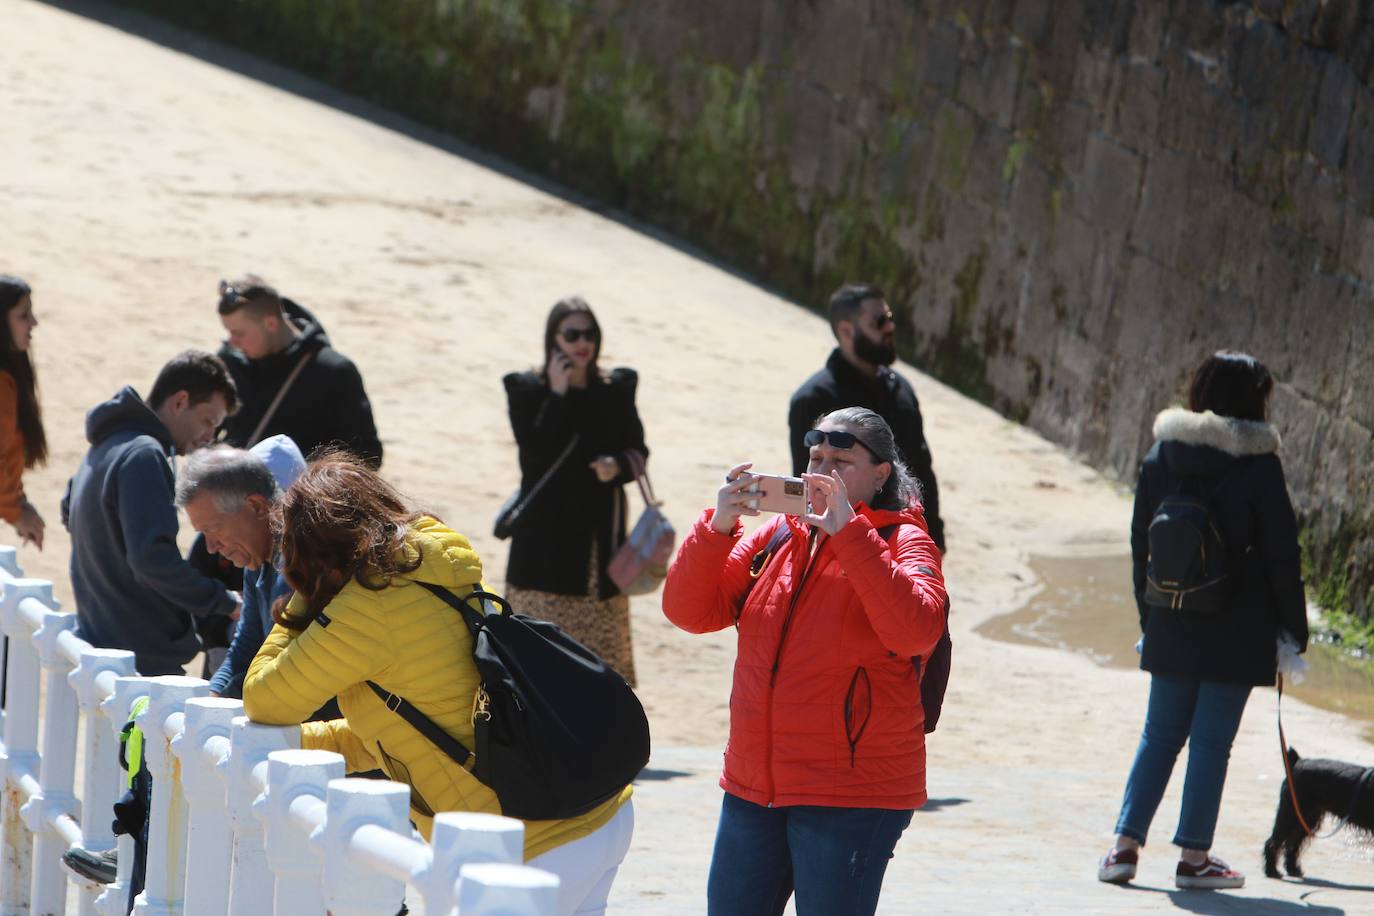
(1220, 903)
(651, 775)
(933, 805)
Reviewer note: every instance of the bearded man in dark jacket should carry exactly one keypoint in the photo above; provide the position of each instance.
(858, 374)
(278, 353)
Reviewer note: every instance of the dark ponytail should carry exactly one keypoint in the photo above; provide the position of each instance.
(17, 363)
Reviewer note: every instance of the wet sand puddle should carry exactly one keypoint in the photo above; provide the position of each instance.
(1085, 605)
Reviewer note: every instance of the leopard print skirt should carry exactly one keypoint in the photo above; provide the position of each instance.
(602, 626)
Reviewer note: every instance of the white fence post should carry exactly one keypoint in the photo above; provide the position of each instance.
(9, 562)
(296, 780)
(164, 880)
(201, 747)
(115, 900)
(58, 776)
(23, 684)
(354, 803)
(507, 890)
(92, 680)
(466, 838)
(250, 888)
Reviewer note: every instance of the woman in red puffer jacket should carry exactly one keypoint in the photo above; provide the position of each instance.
(826, 758)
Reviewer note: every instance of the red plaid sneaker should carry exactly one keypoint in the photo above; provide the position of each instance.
(1118, 865)
(1213, 874)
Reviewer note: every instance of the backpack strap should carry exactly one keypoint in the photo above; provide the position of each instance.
(781, 535)
(423, 724)
(405, 709)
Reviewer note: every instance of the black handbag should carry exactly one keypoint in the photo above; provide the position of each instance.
(513, 509)
(557, 731)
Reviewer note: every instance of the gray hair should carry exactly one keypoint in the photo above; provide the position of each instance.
(231, 475)
(901, 489)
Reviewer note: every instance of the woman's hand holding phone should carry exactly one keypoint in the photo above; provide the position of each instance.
(559, 372)
(829, 493)
(733, 498)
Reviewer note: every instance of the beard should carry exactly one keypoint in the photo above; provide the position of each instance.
(878, 352)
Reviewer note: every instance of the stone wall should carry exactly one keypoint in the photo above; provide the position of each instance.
(1070, 201)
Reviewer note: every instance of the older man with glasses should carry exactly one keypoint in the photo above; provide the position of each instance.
(858, 374)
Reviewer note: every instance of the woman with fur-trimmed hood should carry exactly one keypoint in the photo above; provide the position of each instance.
(1204, 658)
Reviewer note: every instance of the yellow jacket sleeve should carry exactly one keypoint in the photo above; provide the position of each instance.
(296, 671)
(336, 736)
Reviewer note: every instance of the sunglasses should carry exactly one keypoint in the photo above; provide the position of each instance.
(836, 438)
(573, 335)
(883, 320)
(227, 296)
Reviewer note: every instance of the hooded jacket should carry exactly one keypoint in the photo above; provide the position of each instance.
(825, 708)
(1235, 462)
(891, 397)
(326, 404)
(133, 588)
(413, 645)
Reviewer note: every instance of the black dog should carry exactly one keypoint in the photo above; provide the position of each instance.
(1323, 787)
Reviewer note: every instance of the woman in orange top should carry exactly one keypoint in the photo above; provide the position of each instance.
(22, 441)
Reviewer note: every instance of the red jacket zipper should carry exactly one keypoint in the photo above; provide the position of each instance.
(811, 557)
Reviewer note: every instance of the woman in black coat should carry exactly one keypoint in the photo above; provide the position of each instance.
(574, 426)
(1206, 648)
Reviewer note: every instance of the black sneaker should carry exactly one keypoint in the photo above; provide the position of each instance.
(99, 867)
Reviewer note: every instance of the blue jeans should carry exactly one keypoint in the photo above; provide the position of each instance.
(833, 857)
(1205, 714)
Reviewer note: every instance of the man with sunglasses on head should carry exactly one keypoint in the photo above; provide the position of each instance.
(291, 381)
(858, 374)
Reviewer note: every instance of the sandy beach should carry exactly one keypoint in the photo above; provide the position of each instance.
(135, 175)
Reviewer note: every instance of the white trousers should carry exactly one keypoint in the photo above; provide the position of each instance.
(586, 868)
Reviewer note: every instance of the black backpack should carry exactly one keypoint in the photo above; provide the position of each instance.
(1187, 568)
(934, 679)
(558, 732)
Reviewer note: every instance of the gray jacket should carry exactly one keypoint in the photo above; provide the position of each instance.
(133, 588)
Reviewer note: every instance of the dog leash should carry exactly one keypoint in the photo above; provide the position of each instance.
(1288, 772)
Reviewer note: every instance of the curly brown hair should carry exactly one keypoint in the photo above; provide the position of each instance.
(340, 521)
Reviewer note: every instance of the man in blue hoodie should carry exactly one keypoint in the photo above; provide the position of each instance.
(133, 588)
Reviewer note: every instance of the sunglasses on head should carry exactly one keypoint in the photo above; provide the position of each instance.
(573, 335)
(836, 439)
(227, 295)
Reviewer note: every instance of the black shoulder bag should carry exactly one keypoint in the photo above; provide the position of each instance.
(557, 730)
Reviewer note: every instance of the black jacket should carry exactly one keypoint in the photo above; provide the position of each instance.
(133, 589)
(1236, 464)
(551, 550)
(890, 396)
(326, 404)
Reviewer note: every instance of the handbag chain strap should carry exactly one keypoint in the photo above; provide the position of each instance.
(553, 469)
(276, 401)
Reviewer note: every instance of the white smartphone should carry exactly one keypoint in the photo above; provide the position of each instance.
(787, 495)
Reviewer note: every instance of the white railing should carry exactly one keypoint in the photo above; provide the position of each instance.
(241, 821)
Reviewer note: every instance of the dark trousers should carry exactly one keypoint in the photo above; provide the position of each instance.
(833, 858)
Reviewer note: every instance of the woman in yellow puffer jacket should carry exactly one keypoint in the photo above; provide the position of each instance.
(354, 553)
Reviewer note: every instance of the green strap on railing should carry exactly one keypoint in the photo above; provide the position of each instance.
(132, 738)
